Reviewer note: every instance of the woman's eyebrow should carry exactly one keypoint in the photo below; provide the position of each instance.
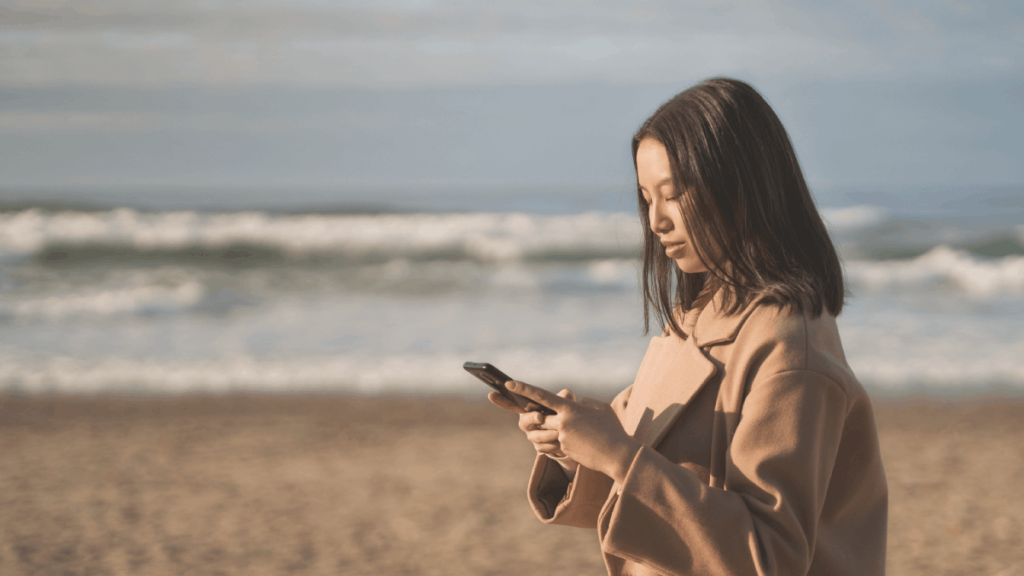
(662, 182)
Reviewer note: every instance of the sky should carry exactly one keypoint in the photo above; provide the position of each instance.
(413, 95)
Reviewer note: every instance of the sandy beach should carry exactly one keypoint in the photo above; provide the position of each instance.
(381, 486)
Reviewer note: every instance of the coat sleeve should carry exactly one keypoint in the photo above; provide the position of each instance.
(556, 500)
(764, 519)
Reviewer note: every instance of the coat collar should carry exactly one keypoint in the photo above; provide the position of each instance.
(677, 369)
(714, 326)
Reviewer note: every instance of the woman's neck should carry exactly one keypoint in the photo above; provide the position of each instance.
(705, 295)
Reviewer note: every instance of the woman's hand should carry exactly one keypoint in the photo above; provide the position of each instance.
(588, 431)
(545, 441)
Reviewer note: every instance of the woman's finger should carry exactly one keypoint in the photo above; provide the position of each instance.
(538, 395)
(504, 403)
(549, 449)
(566, 393)
(542, 436)
(530, 421)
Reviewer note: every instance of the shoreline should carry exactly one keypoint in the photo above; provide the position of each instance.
(879, 394)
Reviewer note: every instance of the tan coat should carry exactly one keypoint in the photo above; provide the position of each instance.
(760, 457)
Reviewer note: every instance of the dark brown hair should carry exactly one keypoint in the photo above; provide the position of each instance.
(746, 208)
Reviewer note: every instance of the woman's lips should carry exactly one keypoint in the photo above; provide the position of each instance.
(675, 251)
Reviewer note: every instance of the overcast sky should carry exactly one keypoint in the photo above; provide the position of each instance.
(493, 94)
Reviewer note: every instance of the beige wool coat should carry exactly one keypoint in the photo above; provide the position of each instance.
(760, 456)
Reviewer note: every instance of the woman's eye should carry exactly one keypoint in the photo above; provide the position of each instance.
(671, 198)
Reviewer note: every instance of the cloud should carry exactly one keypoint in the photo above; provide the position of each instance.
(62, 122)
(509, 91)
(411, 44)
(27, 122)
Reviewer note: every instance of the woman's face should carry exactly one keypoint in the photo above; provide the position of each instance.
(654, 174)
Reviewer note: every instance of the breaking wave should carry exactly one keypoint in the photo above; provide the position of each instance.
(126, 233)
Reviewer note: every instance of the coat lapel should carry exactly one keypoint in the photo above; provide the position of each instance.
(668, 380)
(674, 370)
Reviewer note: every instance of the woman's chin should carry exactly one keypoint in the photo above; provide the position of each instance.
(690, 267)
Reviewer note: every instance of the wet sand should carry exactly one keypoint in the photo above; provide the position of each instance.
(376, 486)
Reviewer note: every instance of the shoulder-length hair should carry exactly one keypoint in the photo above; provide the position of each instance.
(745, 204)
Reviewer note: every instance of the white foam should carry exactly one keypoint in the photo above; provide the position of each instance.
(853, 217)
(144, 296)
(514, 275)
(894, 349)
(890, 362)
(942, 265)
(485, 236)
(613, 272)
(416, 374)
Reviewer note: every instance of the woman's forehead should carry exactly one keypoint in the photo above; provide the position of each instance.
(652, 164)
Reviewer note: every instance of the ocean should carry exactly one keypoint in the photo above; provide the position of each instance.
(126, 296)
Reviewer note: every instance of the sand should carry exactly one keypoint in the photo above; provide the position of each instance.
(377, 486)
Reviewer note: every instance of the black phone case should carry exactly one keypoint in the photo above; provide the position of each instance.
(496, 379)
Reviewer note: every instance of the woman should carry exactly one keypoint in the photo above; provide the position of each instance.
(746, 444)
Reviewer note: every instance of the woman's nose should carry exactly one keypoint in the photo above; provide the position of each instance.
(660, 221)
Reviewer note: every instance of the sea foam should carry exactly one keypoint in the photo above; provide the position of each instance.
(481, 236)
(942, 266)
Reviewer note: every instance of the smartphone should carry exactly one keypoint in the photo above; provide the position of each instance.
(496, 379)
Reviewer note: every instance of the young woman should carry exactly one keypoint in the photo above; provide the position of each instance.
(746, 445)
